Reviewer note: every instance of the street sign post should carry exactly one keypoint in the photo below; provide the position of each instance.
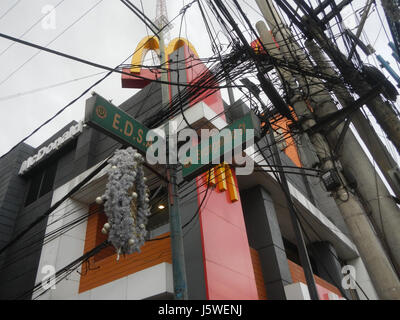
(103, 115)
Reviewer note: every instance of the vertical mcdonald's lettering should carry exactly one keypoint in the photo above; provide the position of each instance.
(222, 177)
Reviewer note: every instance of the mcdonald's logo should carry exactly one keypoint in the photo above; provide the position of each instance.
(147, 44)
(221, 177)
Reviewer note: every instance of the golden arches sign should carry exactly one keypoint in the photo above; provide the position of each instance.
(221, 176)
(152, 43)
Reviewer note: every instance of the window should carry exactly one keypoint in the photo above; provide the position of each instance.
(34, 188)
(41, 183)
(48, 179)
(291, 251)
(292, 254)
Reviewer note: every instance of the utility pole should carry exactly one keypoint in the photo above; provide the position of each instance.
(367, 133)
(175, 225)
(375, 259)
(385, 213)
(383, 112)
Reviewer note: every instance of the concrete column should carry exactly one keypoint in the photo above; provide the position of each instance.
(265, 236)
(364, 281)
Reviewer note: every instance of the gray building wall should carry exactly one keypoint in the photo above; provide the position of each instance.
(12, 191)
(265, 236)
(310, 187)
(192, 244)
(20, 261)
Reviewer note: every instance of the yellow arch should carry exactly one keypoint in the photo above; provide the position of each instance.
(177, 43)
(147, 43)
(152, 43)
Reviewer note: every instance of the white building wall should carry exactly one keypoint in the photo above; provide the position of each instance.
(66, 248)
(61, 251)
(364, 281)
(140, 285)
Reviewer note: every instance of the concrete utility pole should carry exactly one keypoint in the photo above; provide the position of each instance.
(175, 225)
(384, 114)
(367, 133)
(377, 263)
(385, 213)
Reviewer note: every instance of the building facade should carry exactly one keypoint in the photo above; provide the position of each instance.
(237, 233)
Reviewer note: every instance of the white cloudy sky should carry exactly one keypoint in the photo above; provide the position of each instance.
(107, 35)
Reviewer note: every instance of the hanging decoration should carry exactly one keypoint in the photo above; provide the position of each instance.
(126, 202)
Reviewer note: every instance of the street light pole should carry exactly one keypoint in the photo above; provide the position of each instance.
(175, 225)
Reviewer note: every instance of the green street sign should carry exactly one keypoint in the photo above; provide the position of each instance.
(103, 115)
(249, 121)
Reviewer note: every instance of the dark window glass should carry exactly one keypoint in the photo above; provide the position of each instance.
(41, 183)
(34, 188)
(291, 251)
(48, 179)
(315, 269)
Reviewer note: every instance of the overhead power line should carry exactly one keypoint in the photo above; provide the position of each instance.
(81, 95)
(21, 94)
(64, 272)
(53, 207)
(141, 16)
(111, 70)
(29, 29)
(100, 66)
(49, 43)
(57, 114)
(8, 11)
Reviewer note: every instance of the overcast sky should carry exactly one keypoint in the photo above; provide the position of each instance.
(106, 35)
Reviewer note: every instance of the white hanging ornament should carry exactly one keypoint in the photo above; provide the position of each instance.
(126, 173)
(107, 226)
(138, 157)
(99, 200)
(104, 231)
